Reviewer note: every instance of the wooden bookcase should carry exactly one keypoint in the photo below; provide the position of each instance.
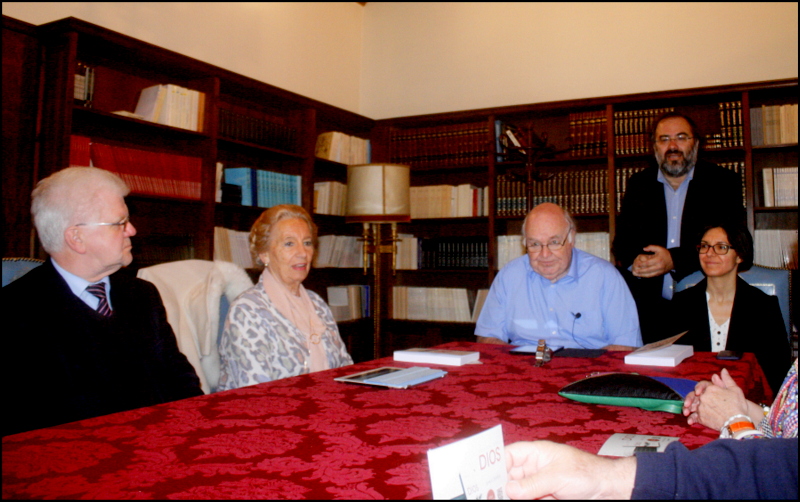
(588, 132)
(172, 228)
(614, 153)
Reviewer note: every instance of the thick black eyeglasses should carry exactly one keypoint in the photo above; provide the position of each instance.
(719, 249)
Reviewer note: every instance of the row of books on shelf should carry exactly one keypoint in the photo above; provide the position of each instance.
(340, 147)
(339, 251)
(448, 201)
(451, 253)
(773, 125)
(473, 252)
(172, 105)
(437, 304)
(262, 188)
(587, 134)
(731, 133)
(345, 251)
(330, 197)
(580, 191)
(349, 302)
(738, 168)
(464, 144)
(512, 246)
(621, 177)
(84, 83)
(233, 246)
(257, 128)
(632, 130)
(440, 146)
(775, 248)
(780, 186)
(145, 172)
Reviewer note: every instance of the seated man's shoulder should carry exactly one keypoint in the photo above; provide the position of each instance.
(594, 263)
(515, 266)
(37, 279)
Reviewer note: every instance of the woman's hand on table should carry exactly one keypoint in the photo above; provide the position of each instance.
(713, 402)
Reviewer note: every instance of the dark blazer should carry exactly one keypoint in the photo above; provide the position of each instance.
(756, 326)
(714, 193)
(65, 362)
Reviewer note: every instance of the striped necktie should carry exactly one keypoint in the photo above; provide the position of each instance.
(99, 290)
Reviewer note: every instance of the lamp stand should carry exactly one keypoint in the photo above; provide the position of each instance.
(373, 243)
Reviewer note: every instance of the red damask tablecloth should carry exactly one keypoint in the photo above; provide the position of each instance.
(311, 437)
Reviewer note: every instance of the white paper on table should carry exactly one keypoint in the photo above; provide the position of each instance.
(623, 445)
(472, 468)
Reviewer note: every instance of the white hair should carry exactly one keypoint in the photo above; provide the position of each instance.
(66, 195)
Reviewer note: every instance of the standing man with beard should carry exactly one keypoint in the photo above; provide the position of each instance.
(665, 208)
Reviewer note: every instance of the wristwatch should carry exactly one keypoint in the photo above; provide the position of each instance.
(734, 424)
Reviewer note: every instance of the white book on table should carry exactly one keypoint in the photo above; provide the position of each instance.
(437, 356)
(671, 356)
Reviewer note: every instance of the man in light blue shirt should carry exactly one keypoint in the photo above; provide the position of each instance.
(557, 293)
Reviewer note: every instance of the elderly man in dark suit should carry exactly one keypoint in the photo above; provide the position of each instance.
(82, 341)
(665, 208)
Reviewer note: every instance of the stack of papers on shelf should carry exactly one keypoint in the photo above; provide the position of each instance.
(436, 356)
(661, 353)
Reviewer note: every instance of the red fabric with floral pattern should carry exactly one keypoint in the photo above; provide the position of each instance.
(311, 437)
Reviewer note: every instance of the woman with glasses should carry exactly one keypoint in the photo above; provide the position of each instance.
(723, 312)
(277, 328)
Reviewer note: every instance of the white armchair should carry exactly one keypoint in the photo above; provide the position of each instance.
(192, 291)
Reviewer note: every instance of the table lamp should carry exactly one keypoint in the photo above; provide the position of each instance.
(376, 194)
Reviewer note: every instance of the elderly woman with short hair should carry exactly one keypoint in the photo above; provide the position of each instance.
(277, 328)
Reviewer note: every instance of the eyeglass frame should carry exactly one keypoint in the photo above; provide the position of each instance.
(708, 246)
(120, 224)
(680, 139)
(549, 244)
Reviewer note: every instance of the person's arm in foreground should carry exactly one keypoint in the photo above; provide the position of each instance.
(722, 469)
(542, 468)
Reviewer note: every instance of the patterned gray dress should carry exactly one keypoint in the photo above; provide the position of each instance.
(259, 344)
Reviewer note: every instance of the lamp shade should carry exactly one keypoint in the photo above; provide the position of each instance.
(378, 193)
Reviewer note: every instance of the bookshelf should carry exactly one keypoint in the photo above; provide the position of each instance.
(233, 121)
(247, 123)
(600, 143)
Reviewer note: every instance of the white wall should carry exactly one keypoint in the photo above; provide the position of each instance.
(436, 57)
(313, 49)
